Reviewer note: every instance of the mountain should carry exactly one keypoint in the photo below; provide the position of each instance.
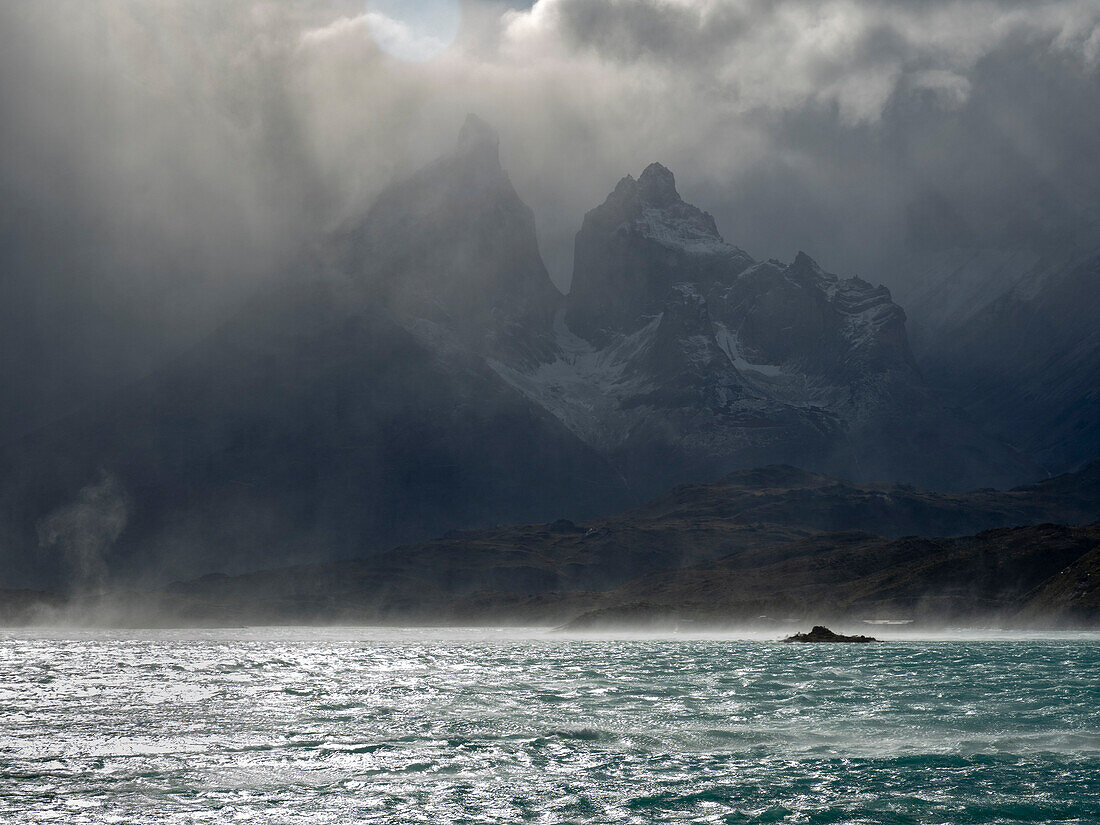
(418, 372)
(345, 409)
(679, 357)
(789, 496)
(1011, 335)
(452, 253)
(1017, 575)
(1072, 597)
(772, 520)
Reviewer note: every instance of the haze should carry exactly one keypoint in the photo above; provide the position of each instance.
(156, 159)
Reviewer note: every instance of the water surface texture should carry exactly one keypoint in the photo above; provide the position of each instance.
(318, 726)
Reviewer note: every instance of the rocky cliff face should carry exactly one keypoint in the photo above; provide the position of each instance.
(634, 250)
(681, 357)
(452, 251)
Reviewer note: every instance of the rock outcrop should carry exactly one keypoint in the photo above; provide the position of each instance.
(823, 634)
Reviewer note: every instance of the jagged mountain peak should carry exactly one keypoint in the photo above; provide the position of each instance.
(657, 186)
(804, 262)
(625, 188)
(677, 355)
(475, 162)
(651, 208)
(451, 250)
(478, 137)
(635, 247)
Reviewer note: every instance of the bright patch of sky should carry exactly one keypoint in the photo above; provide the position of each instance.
(414, 30)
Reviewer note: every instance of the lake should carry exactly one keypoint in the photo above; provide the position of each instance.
(300, 725)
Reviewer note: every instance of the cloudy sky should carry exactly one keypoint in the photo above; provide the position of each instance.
(158, 157)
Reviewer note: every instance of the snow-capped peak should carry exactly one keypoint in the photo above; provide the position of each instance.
(652, 208)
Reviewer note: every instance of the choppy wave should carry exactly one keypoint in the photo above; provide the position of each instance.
(294, 726)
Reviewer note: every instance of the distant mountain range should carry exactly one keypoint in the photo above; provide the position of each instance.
(775, 542)
(421, 373)
(1038, 576)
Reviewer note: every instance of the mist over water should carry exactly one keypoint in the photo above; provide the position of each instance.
(295, 725)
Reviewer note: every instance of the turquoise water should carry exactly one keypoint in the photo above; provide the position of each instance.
(341, 726)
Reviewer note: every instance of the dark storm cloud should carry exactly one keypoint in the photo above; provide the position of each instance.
(859, 130)
(157, 158)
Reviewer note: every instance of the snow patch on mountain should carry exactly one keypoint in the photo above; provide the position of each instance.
(585, 386)
(680, 230)
(728, 343)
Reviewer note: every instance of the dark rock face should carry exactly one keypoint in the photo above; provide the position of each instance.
(452, 250)
(823, 634)
(840, 326)
(311, 427)
(680, 357)
(632, 251)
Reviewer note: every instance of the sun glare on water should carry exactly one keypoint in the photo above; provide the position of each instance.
(414, 30)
